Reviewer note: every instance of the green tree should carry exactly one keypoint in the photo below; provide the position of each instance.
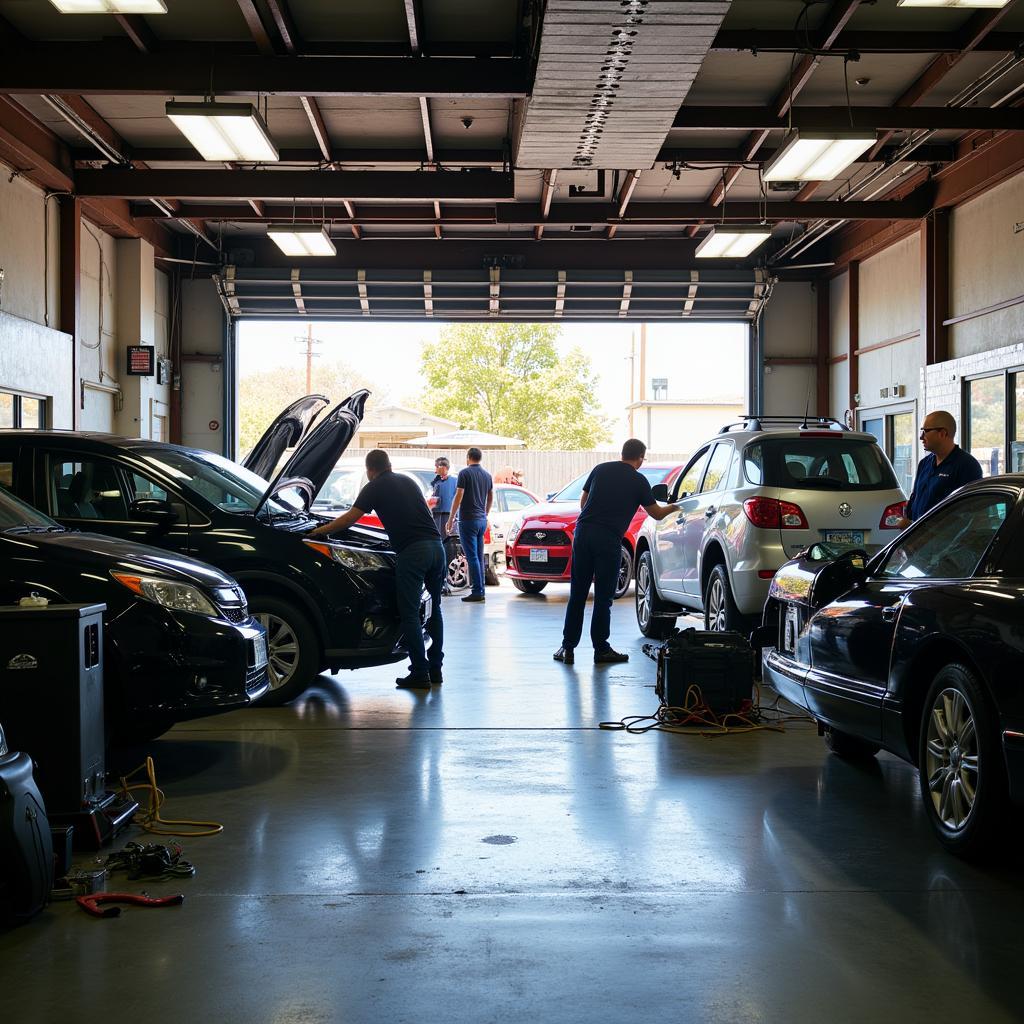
(510, 379)
(262, 395)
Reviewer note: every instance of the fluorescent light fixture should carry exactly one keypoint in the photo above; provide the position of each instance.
(224, 131)
(110, 6)
(952, 3)
(817, 156)
(296, 240)
(725, 243)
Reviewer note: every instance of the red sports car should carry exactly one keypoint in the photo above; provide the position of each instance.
(539, 548)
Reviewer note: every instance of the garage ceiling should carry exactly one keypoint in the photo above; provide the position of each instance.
(593, 139)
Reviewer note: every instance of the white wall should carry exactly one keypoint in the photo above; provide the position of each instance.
(36, 360)
(789, 329)
(839, 345)
(26, 261)
(202, 382)
(987, 267)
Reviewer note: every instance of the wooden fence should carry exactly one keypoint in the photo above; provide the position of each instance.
(543, 471)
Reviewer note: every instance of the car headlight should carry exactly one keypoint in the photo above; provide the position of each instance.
(3, 742)
(513, 531)
(356, 559)
(180, 597)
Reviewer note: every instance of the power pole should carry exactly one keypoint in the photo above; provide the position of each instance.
(309, 342)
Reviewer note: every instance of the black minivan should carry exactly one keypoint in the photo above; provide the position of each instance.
(179, 642)
(325, 604)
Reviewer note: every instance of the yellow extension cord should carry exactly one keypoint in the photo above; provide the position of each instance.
(149, 818)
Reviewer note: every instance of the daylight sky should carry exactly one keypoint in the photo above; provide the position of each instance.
(699, 360)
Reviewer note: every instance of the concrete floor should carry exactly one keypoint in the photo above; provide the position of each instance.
(483, 853)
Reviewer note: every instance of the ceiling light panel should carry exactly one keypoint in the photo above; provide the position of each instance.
(952, 3)
(294, 240)
(817, 156)
(731, 243)
(110, 6)
(224, 131)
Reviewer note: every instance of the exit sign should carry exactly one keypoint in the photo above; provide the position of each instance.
(141, 360)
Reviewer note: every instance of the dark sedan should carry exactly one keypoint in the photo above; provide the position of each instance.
(919, 651)
(179, 640)
(329, 604)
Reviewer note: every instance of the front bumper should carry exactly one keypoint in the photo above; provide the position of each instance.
(381, 641)
(183, 666)
(558, 567)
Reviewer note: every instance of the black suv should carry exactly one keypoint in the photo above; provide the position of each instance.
(325, 604)
(179, 640)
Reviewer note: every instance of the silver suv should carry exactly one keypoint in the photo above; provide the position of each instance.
(750, 499)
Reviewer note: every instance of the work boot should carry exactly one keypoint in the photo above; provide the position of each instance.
(609, 656)
(472, 598)
(436, 678)
(565, 655)
(413, 681)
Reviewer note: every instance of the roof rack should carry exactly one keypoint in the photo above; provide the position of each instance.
(752, 422)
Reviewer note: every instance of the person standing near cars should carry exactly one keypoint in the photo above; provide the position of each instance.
(610, 498)
(474, 492)
(945, 468)
(399, 505)
(442, 487)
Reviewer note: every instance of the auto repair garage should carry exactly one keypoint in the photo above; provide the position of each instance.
(571, 839)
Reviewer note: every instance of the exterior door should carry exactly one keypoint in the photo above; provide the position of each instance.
(851, 639)
(669, 533)
(700, 515)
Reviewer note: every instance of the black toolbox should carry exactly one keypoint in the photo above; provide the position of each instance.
(721, 665)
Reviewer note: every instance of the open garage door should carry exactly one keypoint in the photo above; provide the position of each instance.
(492, 293)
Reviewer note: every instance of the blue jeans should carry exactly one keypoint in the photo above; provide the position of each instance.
(421, 565)
(471, 535)
(595, 558)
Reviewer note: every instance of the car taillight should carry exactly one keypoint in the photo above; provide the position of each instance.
(893, 516)
(772, 514)
(487, 534)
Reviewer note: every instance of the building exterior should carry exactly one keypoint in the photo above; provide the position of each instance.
(390, 425)
(667, 425)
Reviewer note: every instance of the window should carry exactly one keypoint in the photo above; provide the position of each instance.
(142, 488)
(690, 480)
(986, 422)
(949, 546)
(659, 388)
(1017, 434)
(22, 411)
(515, 500)
(900, 448)
(753, 464)
(833, 463)
(718, 468)
(86, 488)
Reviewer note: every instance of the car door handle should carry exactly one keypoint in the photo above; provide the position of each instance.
(710, 512)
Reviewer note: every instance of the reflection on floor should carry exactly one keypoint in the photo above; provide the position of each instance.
(482, 852)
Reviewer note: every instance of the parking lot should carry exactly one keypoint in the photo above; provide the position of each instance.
(484, 844)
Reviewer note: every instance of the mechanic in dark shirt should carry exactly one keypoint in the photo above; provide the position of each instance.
(610, 498)
(945, 468)
(474, 492)
(399, 505)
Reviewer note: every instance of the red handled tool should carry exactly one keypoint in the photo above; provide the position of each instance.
(91, 904)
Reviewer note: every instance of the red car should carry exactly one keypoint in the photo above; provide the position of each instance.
(539, 548)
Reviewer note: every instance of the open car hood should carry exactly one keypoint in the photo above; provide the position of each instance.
(285, 432)
(314, 458)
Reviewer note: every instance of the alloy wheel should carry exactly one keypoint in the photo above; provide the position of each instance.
(282, 649)
(643, 593)
(625, 572)
(951, 758)
(716, 606)
(458, 572)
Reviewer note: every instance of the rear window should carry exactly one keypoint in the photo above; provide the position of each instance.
(818, 463)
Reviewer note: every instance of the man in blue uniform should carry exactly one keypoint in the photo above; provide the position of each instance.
(474, 492)
(610, 498)
(945, 468)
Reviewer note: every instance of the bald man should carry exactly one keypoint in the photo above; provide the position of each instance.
(945, 468)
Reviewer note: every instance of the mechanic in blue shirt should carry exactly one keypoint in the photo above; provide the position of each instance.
(474, 492)
(443, 488)
(945, 468)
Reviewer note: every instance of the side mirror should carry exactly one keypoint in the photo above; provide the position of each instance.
(153, 510)
(550, 495)
(660, 492)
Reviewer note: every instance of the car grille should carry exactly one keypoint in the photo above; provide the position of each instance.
(236, 614)
(254, 678)
(552, 567)
(544, 538)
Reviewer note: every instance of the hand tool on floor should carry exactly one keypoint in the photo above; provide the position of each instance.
(91, 904)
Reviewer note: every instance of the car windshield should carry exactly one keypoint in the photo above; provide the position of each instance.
(818, 463)
(17, 517)
(343, 486)
(572, 492)
(219, 481)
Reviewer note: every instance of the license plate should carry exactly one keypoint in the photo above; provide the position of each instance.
(259, 651)
(538, 554)
(850, 538)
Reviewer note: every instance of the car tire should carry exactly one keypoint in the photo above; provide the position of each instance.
(456, 574)
(647, 602)
(720, 612)
(849, 748)
(490, 576)
(529, 586)
(960, 764)
(625, 576)
(293, 652)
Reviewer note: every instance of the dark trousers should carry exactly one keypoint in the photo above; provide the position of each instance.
(595, 559)
(421, 565)
(471, 534)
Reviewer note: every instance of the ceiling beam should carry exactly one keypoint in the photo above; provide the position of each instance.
(137, 29)
(85, 71)
(414, 21)
(261, 32)
(285, 25)
(625, 194)
(546, 195)
(316, 123)
(428, 135)
(292, 185)
(448, 157)
(908, 41)
(32, 150)
(728, 118)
